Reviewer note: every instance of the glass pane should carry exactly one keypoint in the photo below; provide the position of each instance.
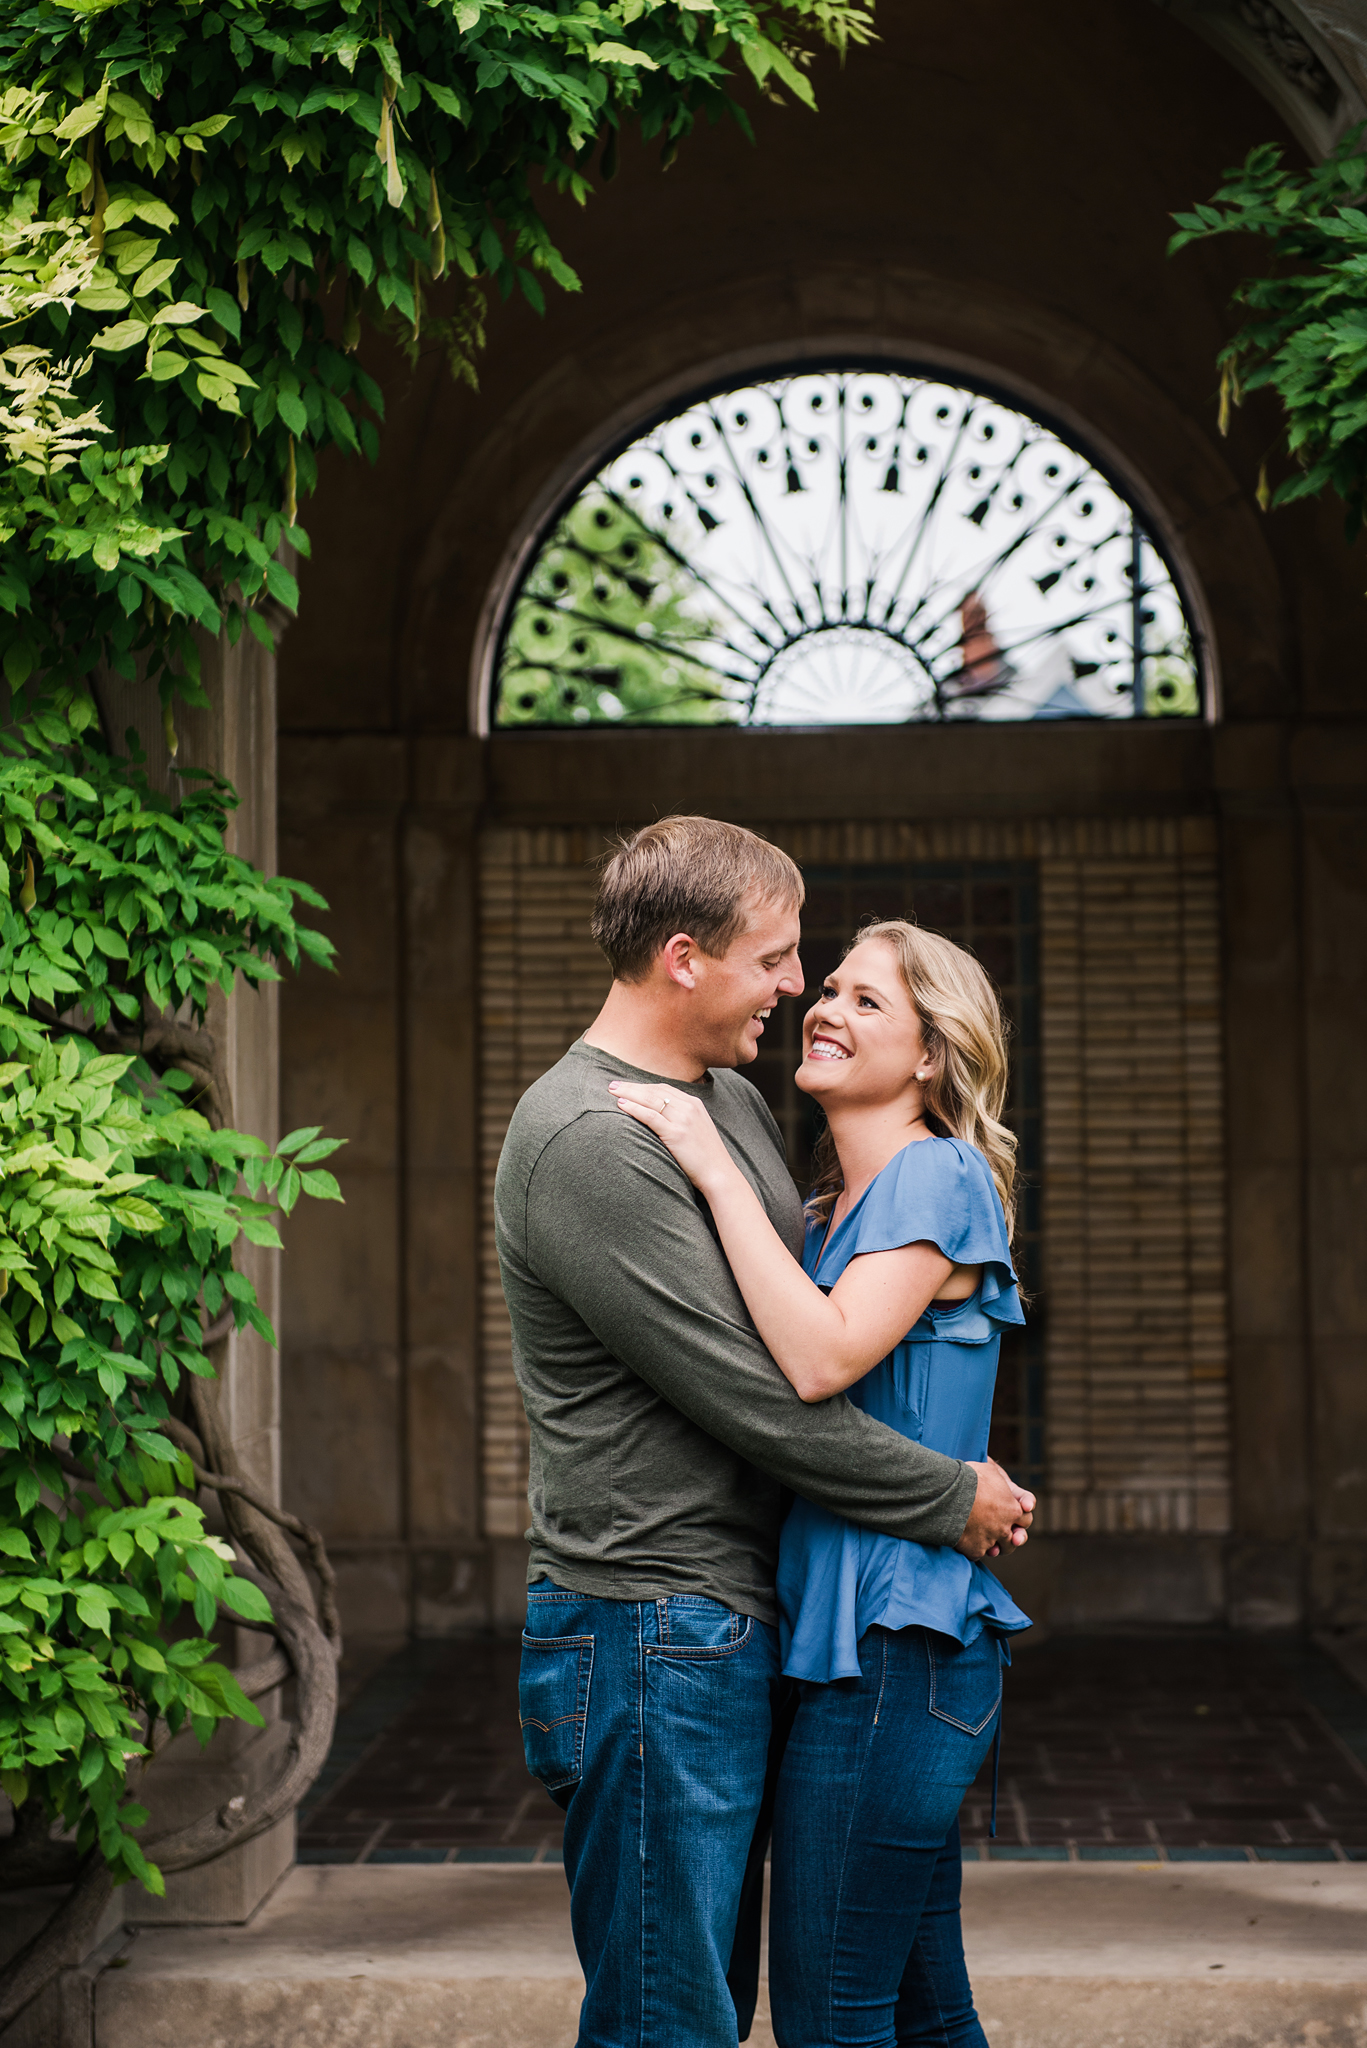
(846, 547)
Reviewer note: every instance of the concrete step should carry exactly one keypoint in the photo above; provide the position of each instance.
(473, 1956)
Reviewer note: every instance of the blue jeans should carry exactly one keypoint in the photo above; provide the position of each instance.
(649, 1723)
(865, 1948)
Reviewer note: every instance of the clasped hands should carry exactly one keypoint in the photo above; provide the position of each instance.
(1001, 1515)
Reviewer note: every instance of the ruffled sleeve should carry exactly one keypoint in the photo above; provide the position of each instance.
(939, 1191)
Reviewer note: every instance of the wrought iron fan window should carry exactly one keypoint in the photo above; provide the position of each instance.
(846, 546)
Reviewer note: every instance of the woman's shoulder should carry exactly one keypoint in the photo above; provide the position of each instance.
(936, 1162)
(940, 1189)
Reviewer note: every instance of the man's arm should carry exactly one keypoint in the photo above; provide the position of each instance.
(614, 1229)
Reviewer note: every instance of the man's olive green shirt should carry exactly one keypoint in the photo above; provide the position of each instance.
(662, 1432)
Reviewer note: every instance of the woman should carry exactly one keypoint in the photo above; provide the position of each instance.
(905, 1283)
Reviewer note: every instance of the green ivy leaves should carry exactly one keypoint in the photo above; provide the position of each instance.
(1305, 337)
(84, 1661)
(273, 176)
(136, 899)
(120, 1208)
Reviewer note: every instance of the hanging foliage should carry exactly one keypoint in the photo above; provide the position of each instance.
(204, 203)
(1304, 336)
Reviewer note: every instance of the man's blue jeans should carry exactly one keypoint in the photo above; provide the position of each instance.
(865, 1949)
(649, 1723)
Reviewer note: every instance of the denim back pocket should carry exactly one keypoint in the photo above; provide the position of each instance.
(965, 1680)
(553, 1703)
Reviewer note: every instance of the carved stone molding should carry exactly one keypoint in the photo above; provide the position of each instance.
(1308, 58)
(1291, 53)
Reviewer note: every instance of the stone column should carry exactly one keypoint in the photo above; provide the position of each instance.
(441, 1057)
(1265, 1063)
(1329, 767)
(235, 736)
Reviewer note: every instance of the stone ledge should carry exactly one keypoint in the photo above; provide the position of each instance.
(460, 1956)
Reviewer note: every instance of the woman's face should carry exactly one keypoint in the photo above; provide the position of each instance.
(862, 1037)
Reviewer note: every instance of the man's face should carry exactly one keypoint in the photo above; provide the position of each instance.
(732, 995)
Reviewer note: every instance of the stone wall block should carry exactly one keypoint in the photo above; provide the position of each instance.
(343, 1264)
(441, 1279)
(1265, 1208)
(443, 1421)
(374, 1587)
(181, 1785)
(1266, 1585)
(1340, 1496)
(451, 1590)
(342, 1429)
(1117, 1581)
(1338, 1587)
(1269, 1423)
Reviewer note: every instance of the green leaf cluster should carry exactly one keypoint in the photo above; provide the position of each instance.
(135, 899)
(86, 1668)
(1305, 334)
(119, 1211)
(120, 1208)
(256, 182)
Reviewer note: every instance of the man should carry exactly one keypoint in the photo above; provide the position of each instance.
(662, 1437)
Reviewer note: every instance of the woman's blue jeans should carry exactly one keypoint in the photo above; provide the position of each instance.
(865, 1949)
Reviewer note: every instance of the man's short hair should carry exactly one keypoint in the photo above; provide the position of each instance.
(694, 875)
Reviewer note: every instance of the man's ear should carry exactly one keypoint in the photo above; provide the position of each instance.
(679, 956)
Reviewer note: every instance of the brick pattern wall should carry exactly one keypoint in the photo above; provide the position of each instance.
(1133, 1195)
(542, 980)
(1133, 1298)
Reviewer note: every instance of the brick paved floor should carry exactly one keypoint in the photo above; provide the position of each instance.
(1185, 1747)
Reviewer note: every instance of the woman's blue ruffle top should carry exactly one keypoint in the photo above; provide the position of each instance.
(836, 1580)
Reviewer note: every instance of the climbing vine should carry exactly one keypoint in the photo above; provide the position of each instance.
(1304, 332)
(120, 1207)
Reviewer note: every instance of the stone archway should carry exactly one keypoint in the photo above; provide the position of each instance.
(994, 194)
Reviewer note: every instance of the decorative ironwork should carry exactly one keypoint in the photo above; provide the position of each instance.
(840, 547)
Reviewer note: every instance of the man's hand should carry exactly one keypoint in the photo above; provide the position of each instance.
(1001, 1516)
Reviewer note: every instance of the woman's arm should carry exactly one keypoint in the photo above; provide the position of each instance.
(822, 1343)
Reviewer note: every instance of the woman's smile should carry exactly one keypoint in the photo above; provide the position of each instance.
(826, 1048)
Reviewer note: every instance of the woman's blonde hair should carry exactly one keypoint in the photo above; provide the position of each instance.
(964, 1034)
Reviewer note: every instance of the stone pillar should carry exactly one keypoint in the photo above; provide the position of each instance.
(441, 1062)
(342, 807)
(1329, 765)
(235, 736)
(1265, 1064)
